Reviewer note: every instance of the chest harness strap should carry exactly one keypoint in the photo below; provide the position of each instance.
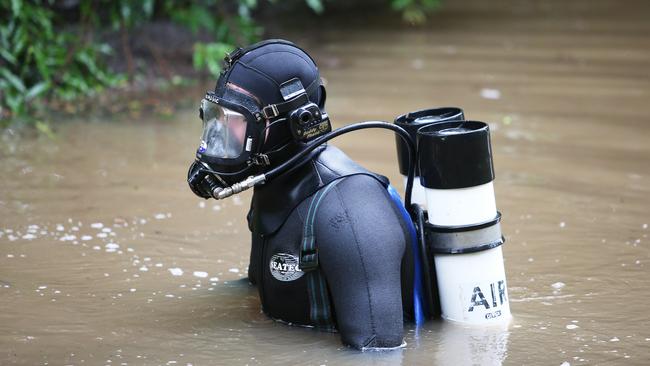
(319, 303)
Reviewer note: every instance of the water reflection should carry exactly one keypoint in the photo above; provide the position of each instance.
(472, 345)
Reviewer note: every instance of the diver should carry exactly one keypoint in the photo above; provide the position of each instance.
(329, 239)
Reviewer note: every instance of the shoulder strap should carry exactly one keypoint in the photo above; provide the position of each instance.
(319, 302)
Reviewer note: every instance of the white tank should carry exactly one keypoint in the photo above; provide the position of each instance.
(464, 234)
(472, 286)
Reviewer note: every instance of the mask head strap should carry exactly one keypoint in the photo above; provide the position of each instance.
(278, 109)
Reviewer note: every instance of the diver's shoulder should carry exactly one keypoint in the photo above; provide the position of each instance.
(335, 161)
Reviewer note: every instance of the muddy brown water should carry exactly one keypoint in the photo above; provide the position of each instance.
(106, 257)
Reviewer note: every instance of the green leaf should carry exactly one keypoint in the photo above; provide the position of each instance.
(16, 6)
(44, 128)
(400, 4)
(15, 103)
(36, 90)
(147, 6)
(7, 56)
(414, 16)
(85, 59)
(125, 12)
(13, 79)
(316, 5)
(197, 56)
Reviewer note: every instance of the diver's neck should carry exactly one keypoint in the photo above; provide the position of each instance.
(294, 174)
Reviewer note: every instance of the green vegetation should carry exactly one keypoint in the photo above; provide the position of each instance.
(51, 52)
(38, 61)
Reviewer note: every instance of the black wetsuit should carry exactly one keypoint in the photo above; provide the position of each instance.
(361, 242)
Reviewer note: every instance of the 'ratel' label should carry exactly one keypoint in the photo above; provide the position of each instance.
(284, 267)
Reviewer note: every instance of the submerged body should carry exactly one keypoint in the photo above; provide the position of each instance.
(360, 240)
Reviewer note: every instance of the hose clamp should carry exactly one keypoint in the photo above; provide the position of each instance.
(464, 239)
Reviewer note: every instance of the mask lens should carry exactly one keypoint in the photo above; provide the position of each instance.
(224, 131)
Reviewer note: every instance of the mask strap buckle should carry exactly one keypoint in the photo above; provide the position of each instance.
(275, 110)
(233, 56)
(261, 159)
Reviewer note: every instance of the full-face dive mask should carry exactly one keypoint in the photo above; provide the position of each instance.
(230, 142)
(224, 131)
(268, 102)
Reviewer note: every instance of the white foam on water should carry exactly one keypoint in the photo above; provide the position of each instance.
(106, 230)
(159, 216)
(200, 274)
(59, 227)
(132, 290)
(43, 287)
(112, 246)
(97, 225)
(29, 236)
(489, 93)
(176, 271)
(159, 265)
(572, 326)
(74, 228)
(645, 226)
(102, 235)
(86, 237)
(558, 285)
(214, 279)
(97, 247)
(68, 237)
(562, 224)
(169, 295)
(144, 268)
(615, 339)
(12, 238)
(234, 270)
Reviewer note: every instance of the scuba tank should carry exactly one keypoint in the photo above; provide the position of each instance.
(462, 232)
